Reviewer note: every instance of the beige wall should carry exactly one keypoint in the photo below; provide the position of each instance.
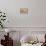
(34, 22)
(38, 17)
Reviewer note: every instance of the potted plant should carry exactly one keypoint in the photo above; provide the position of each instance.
(2, 19)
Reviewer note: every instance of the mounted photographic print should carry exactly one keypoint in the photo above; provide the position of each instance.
(23, 10)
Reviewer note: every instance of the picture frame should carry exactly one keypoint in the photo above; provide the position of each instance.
(23, 10)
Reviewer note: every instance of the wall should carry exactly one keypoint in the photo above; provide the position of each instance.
(37, 19)
(34, 22)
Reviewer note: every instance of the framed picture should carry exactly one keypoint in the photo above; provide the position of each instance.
(23, 10)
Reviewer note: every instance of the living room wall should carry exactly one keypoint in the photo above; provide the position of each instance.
(35, 21)
(36, 18)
